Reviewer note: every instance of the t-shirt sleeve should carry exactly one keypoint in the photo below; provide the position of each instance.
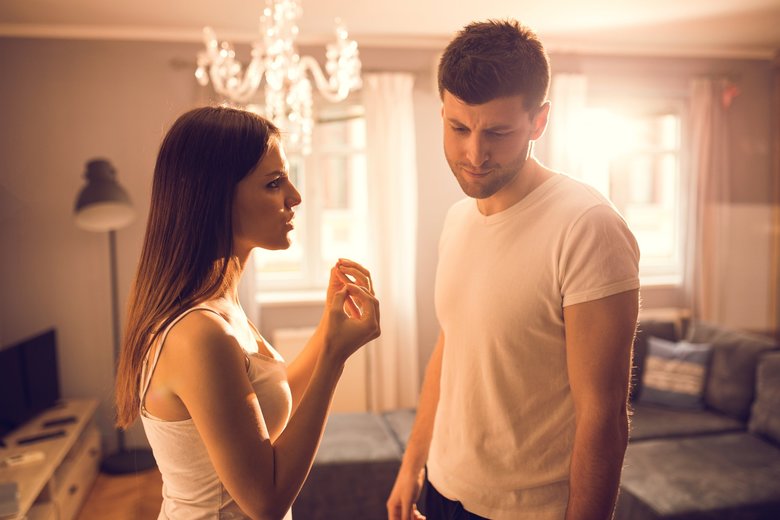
(600, 257)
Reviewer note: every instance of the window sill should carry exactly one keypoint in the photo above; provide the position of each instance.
(660, 280)
(290, 298)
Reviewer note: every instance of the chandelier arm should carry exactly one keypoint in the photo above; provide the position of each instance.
(216, 79)
(245, 87)
(250, 82)
(333, 95)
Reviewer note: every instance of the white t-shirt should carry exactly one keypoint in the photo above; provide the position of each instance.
(504, 426)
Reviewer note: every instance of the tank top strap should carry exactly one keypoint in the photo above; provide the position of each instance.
(147, 378)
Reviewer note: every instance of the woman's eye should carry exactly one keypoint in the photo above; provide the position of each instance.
(274, 183)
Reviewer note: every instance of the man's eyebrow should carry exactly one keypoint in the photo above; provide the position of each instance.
(497, 128)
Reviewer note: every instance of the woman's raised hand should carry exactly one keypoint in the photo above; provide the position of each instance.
(351, 317)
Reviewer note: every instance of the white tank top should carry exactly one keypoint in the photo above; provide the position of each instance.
(191, 488)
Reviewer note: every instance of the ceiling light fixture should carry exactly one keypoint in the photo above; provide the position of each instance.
(287, 88)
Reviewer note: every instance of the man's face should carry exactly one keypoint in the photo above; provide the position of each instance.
(487, 145)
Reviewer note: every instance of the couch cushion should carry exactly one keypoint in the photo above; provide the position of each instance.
(674, 373)
(731, 383)
(733, 475)
(657, 422)
(400, 423)
(765, 415)
(646, 328)
(356, 437)
(353, 471)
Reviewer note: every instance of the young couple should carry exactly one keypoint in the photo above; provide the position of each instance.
(522, 414)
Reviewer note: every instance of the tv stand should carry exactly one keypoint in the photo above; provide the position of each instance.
(56, 486)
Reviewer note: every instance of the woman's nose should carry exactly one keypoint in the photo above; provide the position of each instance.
(293, 198)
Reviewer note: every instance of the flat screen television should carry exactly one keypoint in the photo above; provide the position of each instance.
(29, 380)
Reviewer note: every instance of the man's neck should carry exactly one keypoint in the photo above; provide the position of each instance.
(530, 177)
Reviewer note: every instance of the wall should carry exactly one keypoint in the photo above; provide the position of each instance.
(63, 102)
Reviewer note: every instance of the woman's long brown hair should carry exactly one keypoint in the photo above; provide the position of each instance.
(187, 251)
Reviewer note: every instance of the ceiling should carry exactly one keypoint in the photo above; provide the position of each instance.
(738, 28)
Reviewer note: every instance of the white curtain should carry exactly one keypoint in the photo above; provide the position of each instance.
(568, 95)
(709, 195)
(393, 372)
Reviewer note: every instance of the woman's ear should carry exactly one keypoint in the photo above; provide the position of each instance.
(540, 120)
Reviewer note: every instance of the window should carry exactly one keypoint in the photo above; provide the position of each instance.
(332, 221)
(631, 152)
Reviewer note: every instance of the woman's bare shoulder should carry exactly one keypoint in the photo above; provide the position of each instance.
(203, 337)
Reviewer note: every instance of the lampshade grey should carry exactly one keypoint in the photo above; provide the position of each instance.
(102, 204)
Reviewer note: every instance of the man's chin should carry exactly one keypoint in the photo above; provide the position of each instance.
(476, 191)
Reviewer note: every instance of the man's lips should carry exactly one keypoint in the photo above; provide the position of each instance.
(476, 173)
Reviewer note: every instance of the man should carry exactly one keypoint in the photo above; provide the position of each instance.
(522, 414)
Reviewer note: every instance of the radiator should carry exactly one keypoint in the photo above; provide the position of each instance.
(351, 392)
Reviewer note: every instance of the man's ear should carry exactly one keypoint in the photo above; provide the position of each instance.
(540, 120)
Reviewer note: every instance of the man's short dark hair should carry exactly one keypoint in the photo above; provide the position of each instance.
(493, 59)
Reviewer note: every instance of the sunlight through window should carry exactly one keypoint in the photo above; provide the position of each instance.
(633, 158)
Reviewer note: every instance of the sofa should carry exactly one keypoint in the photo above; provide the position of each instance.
(355, 467)
(720, 460)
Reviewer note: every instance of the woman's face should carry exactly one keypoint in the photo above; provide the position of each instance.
(263, 204)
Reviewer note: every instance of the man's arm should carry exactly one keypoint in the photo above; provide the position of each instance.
(599, 335)
(408, 483)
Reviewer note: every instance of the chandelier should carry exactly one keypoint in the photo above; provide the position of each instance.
(287, 88)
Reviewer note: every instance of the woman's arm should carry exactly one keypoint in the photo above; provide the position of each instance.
(300, 370)
(263, 477)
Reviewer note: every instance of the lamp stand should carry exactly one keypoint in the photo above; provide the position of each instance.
(125, 460)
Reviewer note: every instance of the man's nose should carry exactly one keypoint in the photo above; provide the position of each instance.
(476, 150)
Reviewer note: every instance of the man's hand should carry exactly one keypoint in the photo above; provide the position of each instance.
(402, 502)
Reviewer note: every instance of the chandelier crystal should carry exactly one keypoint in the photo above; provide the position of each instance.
(287, 90)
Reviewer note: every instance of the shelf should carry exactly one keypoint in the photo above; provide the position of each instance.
(58, 482)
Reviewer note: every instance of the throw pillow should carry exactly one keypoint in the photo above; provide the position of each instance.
(674, 373)
(646, 329)
(732, 379)
(765, 416)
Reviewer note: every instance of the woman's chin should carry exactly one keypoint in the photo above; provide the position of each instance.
(285, 244)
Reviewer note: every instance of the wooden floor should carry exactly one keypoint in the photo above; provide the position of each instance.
(124, 497)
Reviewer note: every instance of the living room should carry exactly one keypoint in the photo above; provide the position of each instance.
(85, 80)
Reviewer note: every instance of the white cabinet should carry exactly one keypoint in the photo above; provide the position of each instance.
(55, 487)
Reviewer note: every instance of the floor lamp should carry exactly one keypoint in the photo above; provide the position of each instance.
(103, 205)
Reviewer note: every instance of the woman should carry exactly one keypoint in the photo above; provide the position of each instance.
(234, 431)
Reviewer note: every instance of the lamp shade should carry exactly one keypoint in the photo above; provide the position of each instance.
(102, 205)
